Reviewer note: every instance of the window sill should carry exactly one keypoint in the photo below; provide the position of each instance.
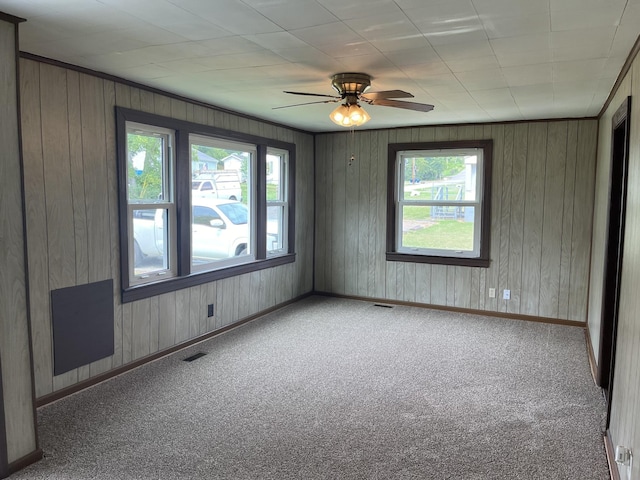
(140, 292)
(457, 261)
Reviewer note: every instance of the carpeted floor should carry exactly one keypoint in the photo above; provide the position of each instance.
(341, 389)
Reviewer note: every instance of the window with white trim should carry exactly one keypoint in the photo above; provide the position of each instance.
(440, 202)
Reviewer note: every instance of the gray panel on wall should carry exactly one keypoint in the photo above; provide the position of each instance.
(82, 318)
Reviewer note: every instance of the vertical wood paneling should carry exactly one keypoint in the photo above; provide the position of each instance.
(154, 324)
(321, 213)
(212, 297)
(352, 193)
(141, 329)
(516, 224)
(364, 233)
(36, 227)
(95, 173)
(57, 176)
(77, 178)
(166, 320)
(195, 311)
(57, 183)
(505, 213)
(492, 274)
(534, 202)
(338, 216)
(582, 218)
(127, 330)
(16, 398)
(204, 302)
(379, 183)
(182, 315)
(552, 220)
(567, 224)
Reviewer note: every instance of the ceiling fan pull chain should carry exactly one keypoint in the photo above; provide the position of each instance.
(351, 140)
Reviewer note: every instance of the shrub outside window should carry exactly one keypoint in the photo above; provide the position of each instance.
(439, 202)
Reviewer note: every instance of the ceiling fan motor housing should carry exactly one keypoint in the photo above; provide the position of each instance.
(351, 85)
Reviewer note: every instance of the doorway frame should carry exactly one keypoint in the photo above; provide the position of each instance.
(614, 249)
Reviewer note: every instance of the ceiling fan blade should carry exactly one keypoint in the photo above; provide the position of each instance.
(420, 107)
(306, 103)
(386, 94)
(311, 94)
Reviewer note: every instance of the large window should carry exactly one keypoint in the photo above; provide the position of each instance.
(439, 202)
(198, 203)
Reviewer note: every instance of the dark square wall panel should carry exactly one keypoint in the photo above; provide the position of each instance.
(82, 325)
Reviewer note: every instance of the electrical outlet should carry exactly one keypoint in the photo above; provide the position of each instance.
(210, 310)
(623, 455)
(492, 293)
(506, 295)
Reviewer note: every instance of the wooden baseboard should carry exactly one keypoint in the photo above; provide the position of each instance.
(90, 382)
(486, 313)
(610, 450)
(25, 461)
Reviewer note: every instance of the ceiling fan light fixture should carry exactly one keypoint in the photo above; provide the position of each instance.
(349, 116)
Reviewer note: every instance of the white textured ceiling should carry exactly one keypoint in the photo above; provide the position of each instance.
(475, 60)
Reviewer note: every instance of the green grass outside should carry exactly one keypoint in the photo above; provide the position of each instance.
(446, 234)
(272, 192)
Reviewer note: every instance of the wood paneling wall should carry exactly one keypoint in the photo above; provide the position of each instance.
(72, 219)
(625, 402)
(16, 395)
(542, 204)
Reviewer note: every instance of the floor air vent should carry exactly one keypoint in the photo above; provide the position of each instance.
(382, 306)
(194, 357)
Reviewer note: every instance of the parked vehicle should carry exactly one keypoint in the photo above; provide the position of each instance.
(223, 184)
(219, 230)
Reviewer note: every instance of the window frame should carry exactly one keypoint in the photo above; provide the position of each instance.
(393, 201)
(167, 204)
(283, 201)
(185, 277)
(226, 144)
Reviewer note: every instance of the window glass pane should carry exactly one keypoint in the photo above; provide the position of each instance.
(438, 178)
(434, 227)
(274, 178)
(219, 172)
(219, 230)
(150, 244)
(146, 167)
(275, 228)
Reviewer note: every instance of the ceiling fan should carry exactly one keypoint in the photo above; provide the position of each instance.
(352, 88)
